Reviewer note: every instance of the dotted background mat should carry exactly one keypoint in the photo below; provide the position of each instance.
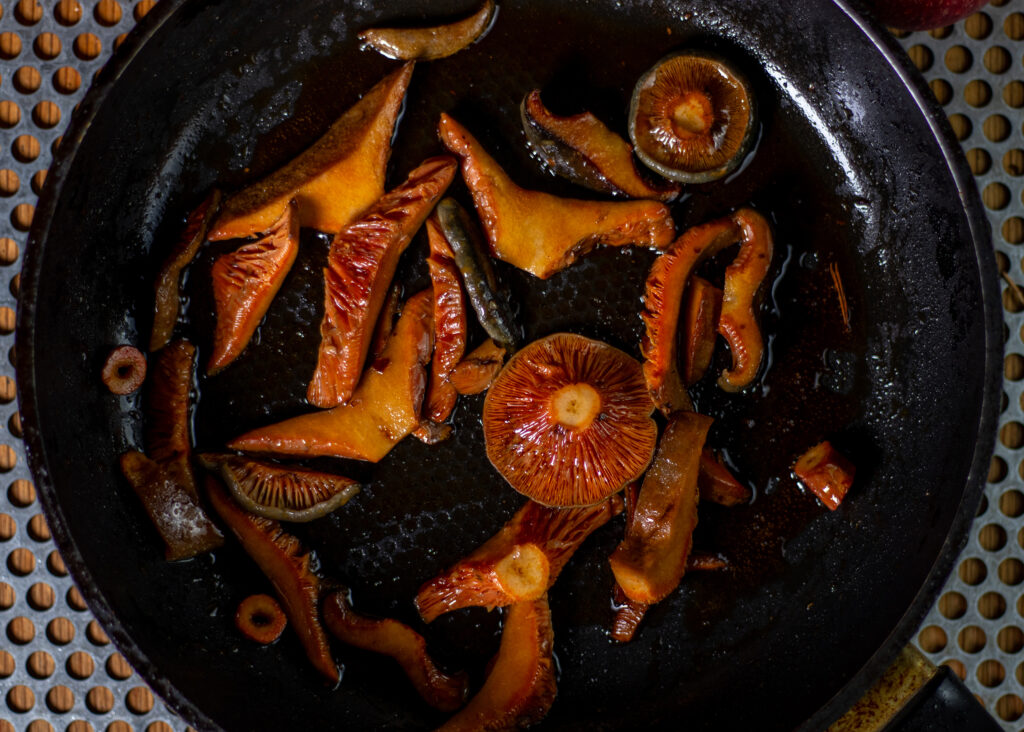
(58, 670)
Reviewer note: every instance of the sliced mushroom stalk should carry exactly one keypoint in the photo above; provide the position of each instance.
(583, 150)
(692, 118)
(433, 42)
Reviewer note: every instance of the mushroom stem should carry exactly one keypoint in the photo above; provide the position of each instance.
(575, 406)
(693, 115)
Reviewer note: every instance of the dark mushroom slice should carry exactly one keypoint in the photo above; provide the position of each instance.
(478, 277)
(168, 405)
(701, 311)
(651, 560)
(543, 234)
(519, 563)
(568, 421)
(245, 282)
(169, 498)
(361, 264)
(280, 492)
(692, 117)
(389, 637)
(284, 561)
(124, 370)
(384, 409)
(168, 280)
(334, 180)
(717, 484)
(386, 320)
(260, 619)
(521, 685)
(434, 42)
(450, 325)
(477, 371)
(583, 150)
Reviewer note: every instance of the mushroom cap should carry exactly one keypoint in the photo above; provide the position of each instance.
(692, 117)
(568, 421)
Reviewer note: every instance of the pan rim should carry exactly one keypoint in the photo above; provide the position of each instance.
(900, 635)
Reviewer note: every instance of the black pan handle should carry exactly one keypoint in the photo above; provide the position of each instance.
(913, 695)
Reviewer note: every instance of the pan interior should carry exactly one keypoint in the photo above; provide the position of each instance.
(846, 168)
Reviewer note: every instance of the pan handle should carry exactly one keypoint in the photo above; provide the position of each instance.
(916, 696)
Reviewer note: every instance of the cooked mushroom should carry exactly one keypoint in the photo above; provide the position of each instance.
(717, 484)
(360, 266)
(826, 472)
(541, 233)
(434, 42)
(477, 371)
(651, 560)
(124, 370)
(260, 619)
(168, 280)
(582, 149)
(390, 637)
(335, 180)
(245, 282)
(568, 421)
(286, 564)
(692, 117)
(701, 310)
(521, 685)
(520, 562)
(279, 492)
(386, 320)
(384, 409)
(168, 405)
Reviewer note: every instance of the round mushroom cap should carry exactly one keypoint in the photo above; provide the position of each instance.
(568, 421)
(691, 118)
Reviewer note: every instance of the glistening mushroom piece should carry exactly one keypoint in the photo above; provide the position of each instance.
(541, 233)
(434, 42)
(281, 557)
(384, 409)
(701, 310)
(520, 562)
(446, 692)
(167, 402)
(168, 280)
(651, 560)
(245, 282)
(279, 492)
(717, 484)
(334, 180)
(477, 371)
(583, 150)
(449, 326)
(826, 472)
(692, 117)
(360, 266)
(521, 685)
(568, 421)
(260, 619)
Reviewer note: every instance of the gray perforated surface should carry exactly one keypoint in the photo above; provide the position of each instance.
(57, 671)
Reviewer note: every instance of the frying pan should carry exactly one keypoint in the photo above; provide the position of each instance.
(854, 166)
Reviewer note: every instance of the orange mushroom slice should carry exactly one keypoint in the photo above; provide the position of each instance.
(583, 150)
(389, 637)
(541, 233)
(568, 421)
(168, 280)
(663, 295)
(450, 325)
(360, 266)
(477, 371)
(434, 42)
(384, 409)
(245, 282)
(334, 180)
(280, 492)
(281, 557)
(651, 560)
(692, 117)
(519, 563)
(521, 686)
(826, 472)
(260, 619)
(701, 310)
(168, 406)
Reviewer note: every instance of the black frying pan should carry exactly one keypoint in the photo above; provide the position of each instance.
(854, 167)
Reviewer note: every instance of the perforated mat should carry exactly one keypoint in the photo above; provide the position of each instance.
(58, 670)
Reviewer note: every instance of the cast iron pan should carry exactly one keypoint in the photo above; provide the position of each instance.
(854, 167)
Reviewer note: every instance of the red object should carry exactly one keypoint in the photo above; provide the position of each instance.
(923, 14)
(826, 473)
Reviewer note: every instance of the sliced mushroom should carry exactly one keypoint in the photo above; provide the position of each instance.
(360, 266)
(692, 117)
(477, 371)
(335, 180)
(541, 233)
(568, 421)
(434, 42)
(583, 150)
